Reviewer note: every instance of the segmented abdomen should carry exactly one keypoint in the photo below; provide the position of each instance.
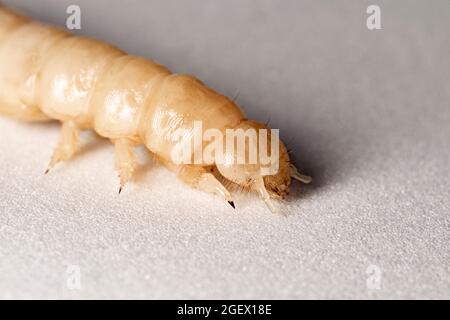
(50, 73)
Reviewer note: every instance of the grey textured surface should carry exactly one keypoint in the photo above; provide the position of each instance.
(366, 113)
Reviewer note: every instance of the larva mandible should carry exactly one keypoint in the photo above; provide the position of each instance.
(47, 73)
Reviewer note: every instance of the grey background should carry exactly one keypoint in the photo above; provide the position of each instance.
(365, 112)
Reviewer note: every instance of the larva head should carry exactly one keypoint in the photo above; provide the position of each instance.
(259, 161)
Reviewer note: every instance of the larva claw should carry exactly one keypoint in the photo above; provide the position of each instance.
(208, 183)
(125, 161)
(200, 178)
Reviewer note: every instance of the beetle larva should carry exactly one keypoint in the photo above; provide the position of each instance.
(47, 73)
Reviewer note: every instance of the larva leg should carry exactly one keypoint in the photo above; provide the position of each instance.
(125, 160)
(258, 186)
(199, 178)
(67, 146)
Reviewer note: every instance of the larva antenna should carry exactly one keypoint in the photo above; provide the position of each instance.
(268, 120)
(258, 185)
(236, 96)
(298, 176)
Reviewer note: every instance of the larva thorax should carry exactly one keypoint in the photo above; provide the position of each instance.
(178, 102)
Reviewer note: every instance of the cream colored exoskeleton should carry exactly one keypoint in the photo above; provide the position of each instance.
(47, 73)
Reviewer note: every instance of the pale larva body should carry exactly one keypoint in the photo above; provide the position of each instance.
(47, 73)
